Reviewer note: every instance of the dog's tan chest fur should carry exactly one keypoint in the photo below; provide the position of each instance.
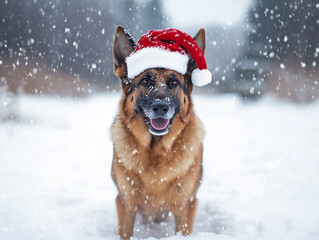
(154, 177)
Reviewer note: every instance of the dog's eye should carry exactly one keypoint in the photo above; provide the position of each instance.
(173, 82)
(145, 81)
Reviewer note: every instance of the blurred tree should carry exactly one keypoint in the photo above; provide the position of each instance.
(140, 16)
(74, 36)
(284, 30)
(285, 34)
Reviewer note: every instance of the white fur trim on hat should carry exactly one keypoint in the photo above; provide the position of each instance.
(153, 57)
(201, 77)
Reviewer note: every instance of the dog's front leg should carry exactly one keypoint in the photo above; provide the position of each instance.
(126, 213)
(185, 217)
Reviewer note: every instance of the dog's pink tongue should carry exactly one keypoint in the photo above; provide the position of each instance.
(159, 123)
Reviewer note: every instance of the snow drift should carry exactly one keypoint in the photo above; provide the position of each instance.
(260, 171)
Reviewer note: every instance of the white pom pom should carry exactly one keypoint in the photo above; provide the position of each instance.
(201, 77)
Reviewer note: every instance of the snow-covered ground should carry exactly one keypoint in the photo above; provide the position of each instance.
(261, 171)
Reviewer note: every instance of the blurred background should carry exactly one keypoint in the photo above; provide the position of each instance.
(64, 47)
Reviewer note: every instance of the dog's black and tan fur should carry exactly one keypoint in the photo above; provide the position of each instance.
(155, 173)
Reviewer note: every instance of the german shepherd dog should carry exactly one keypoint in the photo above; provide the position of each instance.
(157, 142)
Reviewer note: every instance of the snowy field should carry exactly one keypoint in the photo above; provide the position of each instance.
(261, 171)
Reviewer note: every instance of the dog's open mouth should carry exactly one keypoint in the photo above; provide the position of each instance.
(158, 126)
(159, 123)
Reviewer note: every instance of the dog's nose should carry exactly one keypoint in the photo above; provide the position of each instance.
(160, 108)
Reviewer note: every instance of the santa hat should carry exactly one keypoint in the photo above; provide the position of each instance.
(170, 49)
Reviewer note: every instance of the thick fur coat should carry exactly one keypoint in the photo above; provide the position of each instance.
(155, 174)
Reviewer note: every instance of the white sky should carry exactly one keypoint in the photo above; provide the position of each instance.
(206, 12)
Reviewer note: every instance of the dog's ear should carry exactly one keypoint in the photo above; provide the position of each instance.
(123, 46)
(200, 39)
(201, 42)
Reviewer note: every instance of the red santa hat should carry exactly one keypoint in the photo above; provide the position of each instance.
(169, 48)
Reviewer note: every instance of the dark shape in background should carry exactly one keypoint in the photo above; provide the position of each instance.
(281, 52)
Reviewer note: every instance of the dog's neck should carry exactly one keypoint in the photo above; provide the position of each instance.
(154, 140)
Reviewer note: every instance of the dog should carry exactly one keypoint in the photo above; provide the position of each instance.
(157, 142)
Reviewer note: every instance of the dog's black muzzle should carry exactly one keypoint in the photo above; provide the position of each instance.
(158, 113)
